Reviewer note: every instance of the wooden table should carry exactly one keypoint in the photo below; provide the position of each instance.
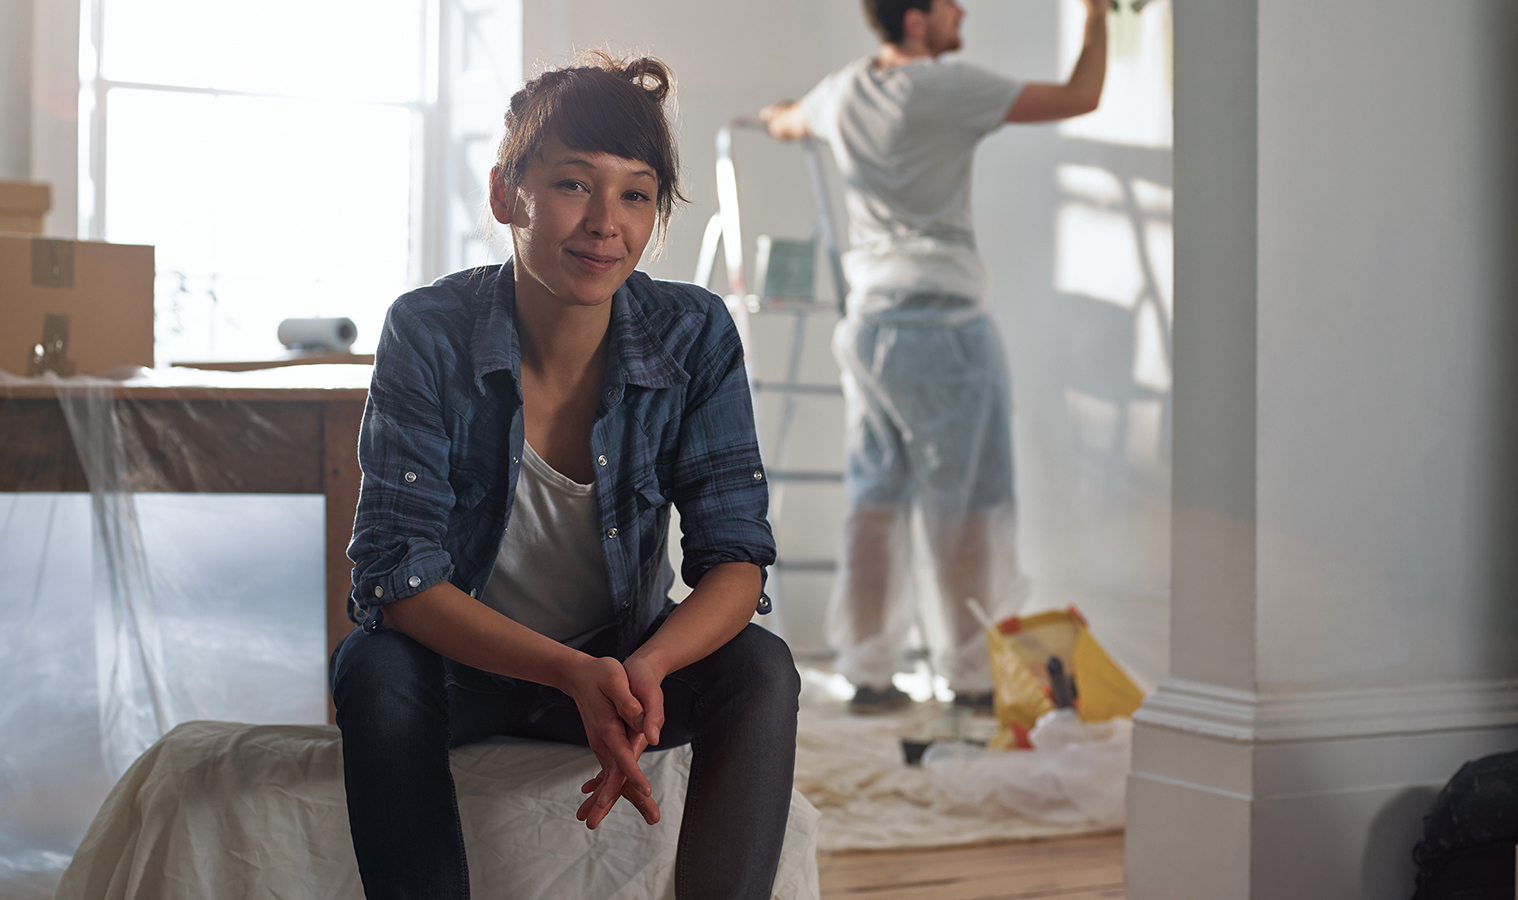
(289, 431)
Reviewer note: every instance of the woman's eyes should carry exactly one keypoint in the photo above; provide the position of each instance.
(574, 185)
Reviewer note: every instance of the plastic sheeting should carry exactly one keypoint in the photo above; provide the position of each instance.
(132, 609)
(1075, 774)
(853, 771)
(929, 429)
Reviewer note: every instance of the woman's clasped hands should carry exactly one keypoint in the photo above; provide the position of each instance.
(622, 706)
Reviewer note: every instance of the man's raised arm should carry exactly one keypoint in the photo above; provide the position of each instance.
(1040, 102)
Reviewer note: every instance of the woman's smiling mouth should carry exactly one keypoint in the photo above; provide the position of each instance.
(595, 261)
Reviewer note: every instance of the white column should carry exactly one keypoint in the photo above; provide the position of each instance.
(1345, 607)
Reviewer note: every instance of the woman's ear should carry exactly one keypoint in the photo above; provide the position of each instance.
(502, 196)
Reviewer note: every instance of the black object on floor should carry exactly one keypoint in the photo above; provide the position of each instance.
(1470, 834)
(978, 704)
(869, 701)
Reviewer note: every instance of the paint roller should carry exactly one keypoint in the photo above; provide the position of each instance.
(318, 334)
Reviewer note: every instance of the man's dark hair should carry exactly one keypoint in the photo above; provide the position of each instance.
(599, 105)
(888, 17)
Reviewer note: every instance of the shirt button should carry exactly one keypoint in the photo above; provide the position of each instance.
(626, 604)
(410, 477)
(379, 591)
(612, 395)
(414, 581)
(601, 460)
(514, 460)
(611, 532)
(758, 475)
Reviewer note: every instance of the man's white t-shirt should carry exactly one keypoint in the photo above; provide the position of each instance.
(904, 139)
(550, 574)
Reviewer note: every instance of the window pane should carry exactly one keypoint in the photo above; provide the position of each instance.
(260, 210)
(369, 50)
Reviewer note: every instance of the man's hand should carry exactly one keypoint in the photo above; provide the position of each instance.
(784, 121)
(614, 722)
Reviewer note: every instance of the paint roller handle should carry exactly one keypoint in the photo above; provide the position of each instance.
(1062, 685)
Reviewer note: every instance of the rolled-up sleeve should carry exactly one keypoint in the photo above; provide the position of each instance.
(403, 451)
(720, 487)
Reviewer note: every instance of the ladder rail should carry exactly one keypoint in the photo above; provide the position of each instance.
(725, 228)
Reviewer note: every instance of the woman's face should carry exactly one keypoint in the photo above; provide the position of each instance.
(579, 222)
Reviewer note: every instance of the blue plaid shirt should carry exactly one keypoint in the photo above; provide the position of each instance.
(442, 440)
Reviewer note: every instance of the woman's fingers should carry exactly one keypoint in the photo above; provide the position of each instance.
(619, 750)
(614, 780)
(593, 815)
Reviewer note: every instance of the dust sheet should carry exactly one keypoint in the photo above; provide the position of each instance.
(852, 770)
(217, 809)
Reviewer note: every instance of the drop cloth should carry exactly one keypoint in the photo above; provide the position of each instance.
(217, 809)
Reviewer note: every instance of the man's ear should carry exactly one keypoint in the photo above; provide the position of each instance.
(914, 25)
(502, 196)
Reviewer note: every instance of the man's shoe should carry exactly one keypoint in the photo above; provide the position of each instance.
(871, 701)
(978, 704)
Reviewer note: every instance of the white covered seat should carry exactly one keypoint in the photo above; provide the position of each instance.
(217, 809)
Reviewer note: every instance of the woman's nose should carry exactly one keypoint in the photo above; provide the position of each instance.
(601, 217)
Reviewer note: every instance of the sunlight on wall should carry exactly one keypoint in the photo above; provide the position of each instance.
(1113, 243)
(1096, 249)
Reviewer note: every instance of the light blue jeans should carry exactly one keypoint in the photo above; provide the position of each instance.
(929, 426)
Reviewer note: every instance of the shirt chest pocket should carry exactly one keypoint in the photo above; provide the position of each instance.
(649, 495)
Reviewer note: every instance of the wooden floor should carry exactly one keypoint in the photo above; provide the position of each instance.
(1084, 868)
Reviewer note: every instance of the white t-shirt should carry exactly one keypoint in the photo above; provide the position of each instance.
(550, 574)
(904, 139)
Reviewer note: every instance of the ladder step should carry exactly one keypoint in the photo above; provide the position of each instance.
(805, 565)
(834, 477)
(780, 387)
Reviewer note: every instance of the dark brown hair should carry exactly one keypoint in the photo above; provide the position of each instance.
(601, 104)
(888, 17)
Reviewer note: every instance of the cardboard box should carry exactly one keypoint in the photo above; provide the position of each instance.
(105, 290)
(22, 206)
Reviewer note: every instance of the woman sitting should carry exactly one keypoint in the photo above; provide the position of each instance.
(528, 429)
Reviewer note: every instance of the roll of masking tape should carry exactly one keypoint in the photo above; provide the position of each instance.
(318, 334)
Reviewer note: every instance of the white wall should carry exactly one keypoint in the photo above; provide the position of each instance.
(1074, 222)
(15, 94)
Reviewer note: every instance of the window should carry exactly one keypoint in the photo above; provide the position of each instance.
(286, 157)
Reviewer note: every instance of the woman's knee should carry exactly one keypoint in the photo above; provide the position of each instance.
(763, 662)
(387, 681)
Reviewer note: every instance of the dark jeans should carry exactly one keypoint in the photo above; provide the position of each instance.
(401, 707)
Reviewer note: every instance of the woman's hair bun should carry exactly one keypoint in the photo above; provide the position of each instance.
(649, 74)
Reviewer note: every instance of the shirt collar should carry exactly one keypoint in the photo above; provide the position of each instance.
(634, 356)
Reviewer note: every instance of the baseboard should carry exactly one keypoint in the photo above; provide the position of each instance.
(1263, 718)
(1315, 795)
